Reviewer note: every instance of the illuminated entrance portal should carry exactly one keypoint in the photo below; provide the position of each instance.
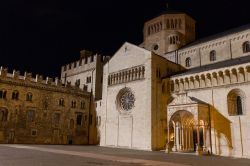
(188, 125)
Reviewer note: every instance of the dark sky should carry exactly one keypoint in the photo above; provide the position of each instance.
(41, 35)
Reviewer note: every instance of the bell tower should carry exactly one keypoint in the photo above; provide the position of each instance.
(168, 32)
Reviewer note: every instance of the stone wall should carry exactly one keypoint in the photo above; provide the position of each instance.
(229, 132)
(52, 114)
(226, 47)
(131, 128)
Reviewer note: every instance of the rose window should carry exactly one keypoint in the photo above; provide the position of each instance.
(127, 101)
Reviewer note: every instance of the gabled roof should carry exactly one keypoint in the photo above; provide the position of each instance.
(133, 45)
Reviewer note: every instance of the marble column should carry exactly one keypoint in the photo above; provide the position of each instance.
(181, 138)
(177, 132)
(204, 138)
(175, 146)
(198, 140)
(186, 138)
(189, 138)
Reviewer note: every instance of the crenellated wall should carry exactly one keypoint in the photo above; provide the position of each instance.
(87, 72)
(38, 111)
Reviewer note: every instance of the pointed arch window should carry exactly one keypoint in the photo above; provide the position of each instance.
(15, 95)
(61, 102)
(29, 97)
(73, 104)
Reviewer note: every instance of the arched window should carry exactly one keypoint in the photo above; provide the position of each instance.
(3, 94)
(15, 95)
(82, 104)
(61, 102)
(213, 55)
(236, 101)
(73, 104)
(79, 119)
(246, 47)
(29, 97)
(188, 62)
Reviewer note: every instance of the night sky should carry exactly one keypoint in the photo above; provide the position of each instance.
(40, 36)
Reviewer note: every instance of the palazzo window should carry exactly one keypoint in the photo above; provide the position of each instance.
(15, 95)
(88, 80)
(3, 94)
(61, 102)
(82, 105)
(246, 47)
(33, 132)
(79, 119)
(29, 97)
(73, 104)
(85, 87)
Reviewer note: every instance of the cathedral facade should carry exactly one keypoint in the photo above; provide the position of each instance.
(175, 93)
(172, 92)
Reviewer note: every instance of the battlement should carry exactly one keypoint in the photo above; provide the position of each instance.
(87, 61)
(38, 80)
